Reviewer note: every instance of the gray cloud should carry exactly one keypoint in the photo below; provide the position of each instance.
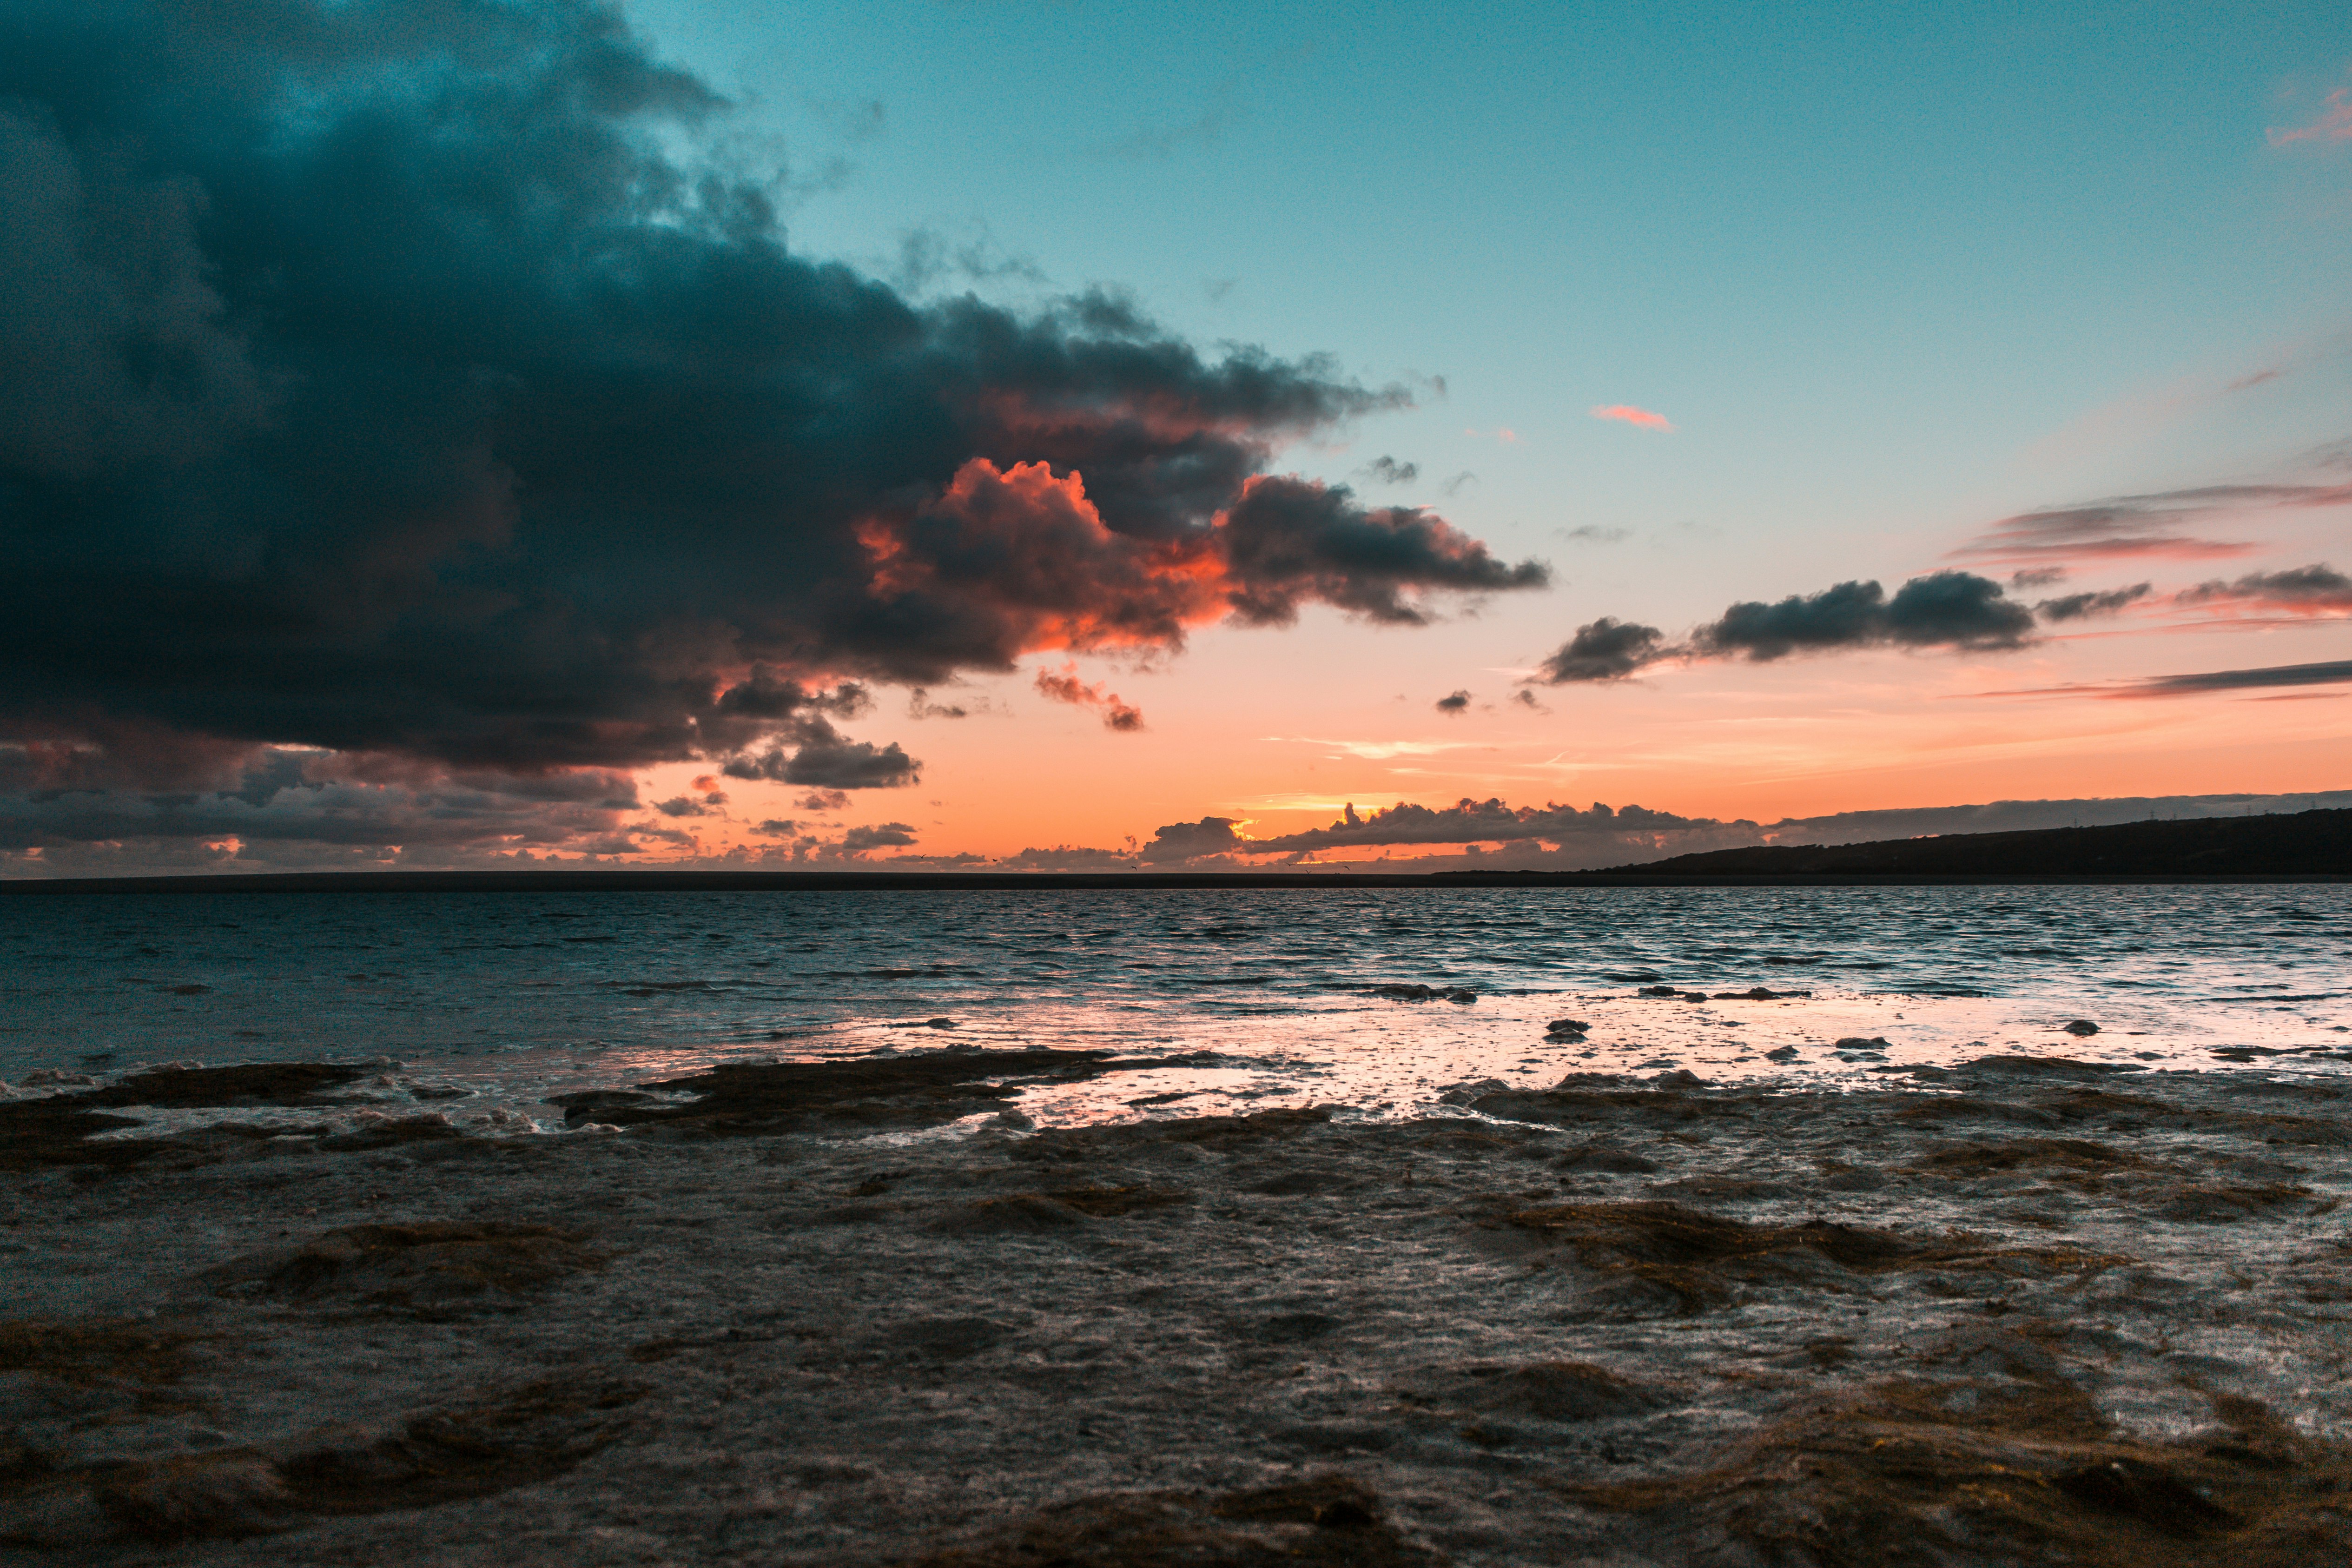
(1943, 609)
(1189, 840)
(1454, 704)
(2319, 586)
(2278, 675)
(1389, 471)
(859, 839)
(2141, 525)
(2080, 606)
(1605, 649)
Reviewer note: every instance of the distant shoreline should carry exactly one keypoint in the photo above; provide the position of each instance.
(655, 881)
(2290, 847)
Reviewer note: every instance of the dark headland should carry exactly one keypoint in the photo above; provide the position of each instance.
(2298, 847)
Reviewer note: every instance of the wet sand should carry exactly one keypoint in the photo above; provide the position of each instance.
(2025, 1311)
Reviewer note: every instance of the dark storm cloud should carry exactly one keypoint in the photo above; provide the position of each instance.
(2080, 606)
(2309, 589)
(1605, 649)
(1453, 703)
(384, 378)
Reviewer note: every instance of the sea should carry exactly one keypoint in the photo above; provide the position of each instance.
(1240, 999)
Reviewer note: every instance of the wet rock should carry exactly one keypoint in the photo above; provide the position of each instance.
(1112, 1202)
(1758, 993)
(739, 1098)
(2046, 1067)
(1666, 1253)
(1322, 1521)
(948, 1339)
(1018, 1213)
(1301, 1183)
(373, 1130)
(2219, 1204)
(1604, 1158)
(1425, 993)
(1546, 1390)
(1784, 1054)
(1912, 1473)
(1574, 1026)
(1296, 1328)
(253, 1083)
(1672, 991)
(1857, 1043)
(1336, 1439)
(434, 1271)
(589, 1104)
(1681, 1077)
(2081, 1027)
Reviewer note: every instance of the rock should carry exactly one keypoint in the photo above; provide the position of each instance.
(583, 1105)
(2082, 1028)
(1600, 1157)
(1320, 1521)
(1681, 1077)
(1785, 1054)
(1566, 1027)
(1296, 1328)
(1758, 993)
(1659, 991)
(435, 1271)
(1856, 1043)
(948, 1339)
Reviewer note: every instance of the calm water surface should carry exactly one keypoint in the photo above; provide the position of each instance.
(513, 995)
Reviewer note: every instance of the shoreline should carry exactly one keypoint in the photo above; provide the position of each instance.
(653, 881)
(870, 1313)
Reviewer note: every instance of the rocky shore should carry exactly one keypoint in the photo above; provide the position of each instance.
(867, 1312)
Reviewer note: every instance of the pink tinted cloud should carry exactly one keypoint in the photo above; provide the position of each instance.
(1066, 687)
(1626, 414)
(2335, 125)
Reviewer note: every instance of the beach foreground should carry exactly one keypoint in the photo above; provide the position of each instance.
(2024, 1311)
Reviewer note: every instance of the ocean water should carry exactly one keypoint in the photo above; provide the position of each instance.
(1264, 995)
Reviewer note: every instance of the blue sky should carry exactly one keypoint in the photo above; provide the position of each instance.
(1865, 258)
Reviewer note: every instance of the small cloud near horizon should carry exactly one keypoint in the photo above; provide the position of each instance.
(1626, 414)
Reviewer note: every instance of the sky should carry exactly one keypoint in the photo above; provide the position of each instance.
(461, 431)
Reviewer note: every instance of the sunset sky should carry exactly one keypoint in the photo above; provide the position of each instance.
(795, 433)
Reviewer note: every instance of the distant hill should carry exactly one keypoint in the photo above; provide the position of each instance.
(2303, 843)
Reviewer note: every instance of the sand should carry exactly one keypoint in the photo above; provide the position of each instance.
(2027, 1312)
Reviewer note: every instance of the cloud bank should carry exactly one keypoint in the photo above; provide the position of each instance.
(1942, 609)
